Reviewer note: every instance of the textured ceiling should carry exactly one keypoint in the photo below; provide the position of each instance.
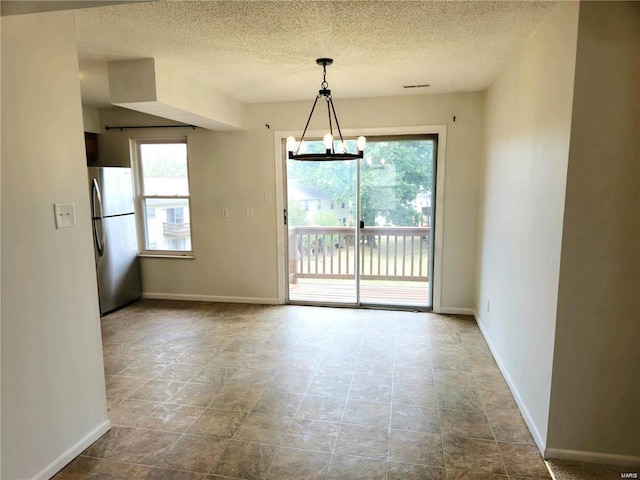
(260, 51)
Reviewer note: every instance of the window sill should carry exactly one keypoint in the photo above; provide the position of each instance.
(160, 255)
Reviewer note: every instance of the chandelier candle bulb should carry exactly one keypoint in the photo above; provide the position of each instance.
(361, 142)
(328, 142)
(291, 144)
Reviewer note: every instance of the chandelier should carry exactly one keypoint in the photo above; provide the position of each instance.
(330, 153)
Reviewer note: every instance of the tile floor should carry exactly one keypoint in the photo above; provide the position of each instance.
(212, 391)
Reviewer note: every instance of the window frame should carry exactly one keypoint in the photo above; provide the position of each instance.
(141, 197)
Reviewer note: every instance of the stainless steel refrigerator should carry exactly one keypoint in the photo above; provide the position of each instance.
(115, 238)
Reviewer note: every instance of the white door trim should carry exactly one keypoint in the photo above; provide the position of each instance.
(279, 155)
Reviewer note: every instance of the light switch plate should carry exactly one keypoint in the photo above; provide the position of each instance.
(225, 212)
(65, 215)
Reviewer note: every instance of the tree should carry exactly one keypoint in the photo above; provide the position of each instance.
(164, 160)
(325, 218)
(296, 214)
(392, 174)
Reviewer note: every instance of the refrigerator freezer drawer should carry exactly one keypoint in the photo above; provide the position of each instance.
(119, 266)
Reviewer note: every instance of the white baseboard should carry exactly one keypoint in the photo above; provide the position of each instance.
(554, 453)
(209, 298)
(455, 311)
(540, 442)
(592, 457)
(60, 462)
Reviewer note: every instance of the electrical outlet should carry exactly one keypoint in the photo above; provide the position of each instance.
(225, 213)
(268, 198)
(249, 212)
(65, 215)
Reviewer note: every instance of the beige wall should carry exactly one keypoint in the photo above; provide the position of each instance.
(53, 394)
(595, 394)
(527, 128)
(91, 119)
(558, 255)
(113, 146)
(236, 258)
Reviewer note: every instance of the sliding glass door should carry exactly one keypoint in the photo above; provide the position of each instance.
(322, 238)
(361, 232)
(396, 198)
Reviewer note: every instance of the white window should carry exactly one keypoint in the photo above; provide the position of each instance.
(163, 196)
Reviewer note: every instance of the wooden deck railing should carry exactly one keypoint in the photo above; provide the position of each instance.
(386, 253)
(176, 229)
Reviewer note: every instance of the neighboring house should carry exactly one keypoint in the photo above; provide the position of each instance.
(168, 226)
(314, 200)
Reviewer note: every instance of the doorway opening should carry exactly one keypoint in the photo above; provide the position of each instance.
(361, 232)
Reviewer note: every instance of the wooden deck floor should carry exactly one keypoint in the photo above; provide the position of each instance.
(341, 291)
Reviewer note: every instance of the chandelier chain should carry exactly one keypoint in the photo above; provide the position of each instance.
(324, 84)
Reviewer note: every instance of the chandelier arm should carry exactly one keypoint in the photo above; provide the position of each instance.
(307, 125)
(336, 117)
(330, 124)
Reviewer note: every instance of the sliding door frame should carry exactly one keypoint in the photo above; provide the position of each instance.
(280, 171)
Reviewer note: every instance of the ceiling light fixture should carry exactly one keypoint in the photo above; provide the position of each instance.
(330, 152)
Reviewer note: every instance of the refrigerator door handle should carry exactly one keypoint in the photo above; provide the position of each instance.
(96, 217)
